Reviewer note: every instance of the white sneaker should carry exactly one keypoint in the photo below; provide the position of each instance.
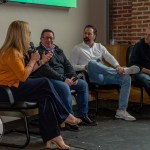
(132, 70)
(123, 114)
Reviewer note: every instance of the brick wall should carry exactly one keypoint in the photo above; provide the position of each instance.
(128, 20)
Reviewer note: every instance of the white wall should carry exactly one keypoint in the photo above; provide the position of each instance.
(98, 18)
(67, 23)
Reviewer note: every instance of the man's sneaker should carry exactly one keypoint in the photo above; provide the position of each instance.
(132, 70)
(123, 114)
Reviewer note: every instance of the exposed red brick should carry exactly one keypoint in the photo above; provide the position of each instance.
(147, 3)
(136, 13)
(140, 34)
(122, 19)
(146, 12)
(134, 1)
(137, 4)
(142, 26)
(129, 19)
(143, 0)
(127, 7)
(126, 15)
(146, 21)
(143, 8)
(122, 11)
(116, 8)
(134, 17)
(143, 17)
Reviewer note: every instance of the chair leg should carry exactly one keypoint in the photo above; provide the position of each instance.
(26, 133)
(96, 106)
(139, 108)
(141, 100)
(34, 122)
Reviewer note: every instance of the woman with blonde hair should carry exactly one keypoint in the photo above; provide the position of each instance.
(14, 73)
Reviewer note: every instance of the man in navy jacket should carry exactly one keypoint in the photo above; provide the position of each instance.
(141, 57)
(62, 73)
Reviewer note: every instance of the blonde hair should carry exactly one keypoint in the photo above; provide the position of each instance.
(18, 37)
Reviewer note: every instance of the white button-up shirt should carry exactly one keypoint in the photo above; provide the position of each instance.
(82, 54)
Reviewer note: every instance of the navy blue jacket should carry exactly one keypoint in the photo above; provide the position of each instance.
(141, 54)
(58, 67)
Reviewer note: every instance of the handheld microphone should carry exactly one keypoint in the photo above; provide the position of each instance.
(32, 47)
(34, 50)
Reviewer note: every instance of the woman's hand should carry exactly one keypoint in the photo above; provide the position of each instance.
(35, 56)
(33, 60)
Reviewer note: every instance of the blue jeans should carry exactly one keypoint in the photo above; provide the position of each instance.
(63, 89)
(101, 74)
(145, 80)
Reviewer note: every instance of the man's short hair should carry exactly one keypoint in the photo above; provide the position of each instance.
(91, 26)
(47, 30)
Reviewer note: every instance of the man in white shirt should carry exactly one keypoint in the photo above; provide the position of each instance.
(88, 56)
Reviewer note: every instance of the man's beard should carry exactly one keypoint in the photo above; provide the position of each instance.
(86, 40)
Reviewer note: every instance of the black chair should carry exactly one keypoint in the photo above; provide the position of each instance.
(96, 88)
(19, 107)
(135, 83)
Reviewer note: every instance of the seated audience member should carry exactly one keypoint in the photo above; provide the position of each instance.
(14, 73)
(141, 57)
(88, 56)
(61, 73)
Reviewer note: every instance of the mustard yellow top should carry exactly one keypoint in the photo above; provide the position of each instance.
(12, 69)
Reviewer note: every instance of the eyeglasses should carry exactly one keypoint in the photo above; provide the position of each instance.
(47, 38)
